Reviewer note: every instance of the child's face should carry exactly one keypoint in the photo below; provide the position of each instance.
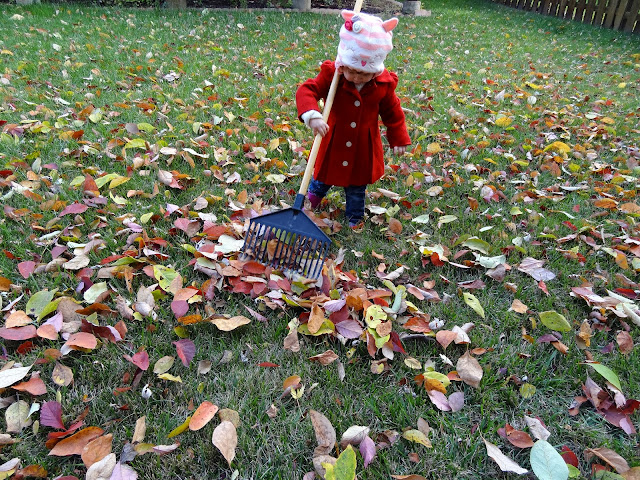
(356, 76)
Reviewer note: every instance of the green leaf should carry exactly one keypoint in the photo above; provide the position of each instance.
(136, 143)
(607, 373)
(146, 127)
(474, 303)
(547, 463)
(573, 471)
(345, 467)
(446, 219)
(49, 308)
(554, 321)
(38, 302)
(93, 292)
(421, 218)
(168, 278)
(475, 243)
(527, 390)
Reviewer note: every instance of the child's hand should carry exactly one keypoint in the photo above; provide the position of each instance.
(319, 126)
(399, 150)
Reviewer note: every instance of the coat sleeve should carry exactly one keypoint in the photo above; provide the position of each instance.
(314, 89)
(393, 116)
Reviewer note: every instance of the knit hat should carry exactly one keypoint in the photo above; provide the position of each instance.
(365, 41)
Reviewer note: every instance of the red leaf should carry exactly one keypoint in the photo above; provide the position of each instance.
(268, 364)
(51, 415)
(26, 268)
(140, 360)
(186, 350)
(18, 333)
(569, 457)
(74, 208)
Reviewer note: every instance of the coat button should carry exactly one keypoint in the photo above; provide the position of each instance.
(357, 103)
(353, 124)
(345, 164)
(349, 144)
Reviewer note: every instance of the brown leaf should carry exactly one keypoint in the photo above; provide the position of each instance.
(75, 444)
(229, 415)
(610, 457)
(96, 450)
(395, 226)
(225, 439)
(469, 370)
(518, 438)
(203, 414)
(445, 337)
(625, 342)
(632, 474)
(62, 375)
(228, 324)
(518, 307)
(412, 476)
(140, 430)
(325, 433)
(291, 341)
(325, 358)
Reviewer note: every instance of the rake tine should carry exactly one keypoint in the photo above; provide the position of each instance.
(275, 261)
(312, 246)
(290, 257)
(264, 245)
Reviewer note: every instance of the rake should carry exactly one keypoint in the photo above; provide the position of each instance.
(289, 239)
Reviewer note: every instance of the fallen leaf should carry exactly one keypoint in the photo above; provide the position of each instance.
(325, 358)
(367, 450)
(225, 439)
(74, 444)
(547, 463)
(102, 469)
(35, 386)
(51, 415)
(416, 436)
(354, 435)
(17, 416)
(203, 414)
(504, 462)
(325, 433)
(610, 457)
(96, 450)
(62, 375)
(228, 324)
(186, 350)
(469, 370)
(538, 430)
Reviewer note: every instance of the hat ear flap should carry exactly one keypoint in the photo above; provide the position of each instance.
(347, 14)
(390, 24)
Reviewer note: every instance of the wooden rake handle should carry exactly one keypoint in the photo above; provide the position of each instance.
(308, 171)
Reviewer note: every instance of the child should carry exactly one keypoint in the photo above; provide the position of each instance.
(351, 153)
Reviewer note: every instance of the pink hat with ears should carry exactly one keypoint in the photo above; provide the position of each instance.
(365, 41)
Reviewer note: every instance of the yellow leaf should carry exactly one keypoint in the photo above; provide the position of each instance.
(412, 363)
(417, 436)
(168, 376)
(558, 147)
(503, 121)
(180, 429)
(433, 148)
(474, 303)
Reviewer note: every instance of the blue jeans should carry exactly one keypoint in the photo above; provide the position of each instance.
(355, 196)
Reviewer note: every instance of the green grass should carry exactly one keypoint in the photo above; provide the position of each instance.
(237, 73)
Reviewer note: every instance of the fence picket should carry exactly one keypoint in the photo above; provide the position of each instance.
(633, 16)
(608, 18)
(599, 16)
(623, 15)
(622, 8)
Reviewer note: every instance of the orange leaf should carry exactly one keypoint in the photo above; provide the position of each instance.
(82, 340)
(35, 386)
(316, 319)
(291, 381)
(74, 444)
(203, 414)
(445, 337)
(96, 450)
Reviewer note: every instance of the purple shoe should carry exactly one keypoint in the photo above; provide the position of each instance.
(314, 200)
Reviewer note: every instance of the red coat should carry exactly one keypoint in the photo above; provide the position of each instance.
(351, 153)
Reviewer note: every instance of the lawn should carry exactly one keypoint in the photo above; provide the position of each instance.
(491, 301)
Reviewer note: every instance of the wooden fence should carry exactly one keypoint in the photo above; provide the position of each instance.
(621, 15)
